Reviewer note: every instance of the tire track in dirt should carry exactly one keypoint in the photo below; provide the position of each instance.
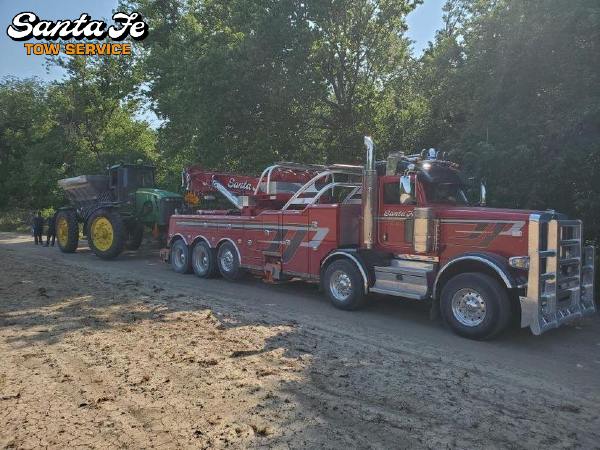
(118, 361)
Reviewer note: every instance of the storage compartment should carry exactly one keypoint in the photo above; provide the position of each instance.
(403, 278)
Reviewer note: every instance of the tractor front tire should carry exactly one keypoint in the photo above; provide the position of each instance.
(67, 231)
(106, 233)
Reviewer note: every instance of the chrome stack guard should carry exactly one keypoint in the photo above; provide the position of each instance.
(560, 284)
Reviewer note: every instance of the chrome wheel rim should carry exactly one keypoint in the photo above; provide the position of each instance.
(340, 285)
(201, 260)
(227, 260)
(469, 307)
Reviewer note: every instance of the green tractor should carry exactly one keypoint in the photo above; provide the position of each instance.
(114, 209)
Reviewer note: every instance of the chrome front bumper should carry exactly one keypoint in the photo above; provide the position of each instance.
(560, 284)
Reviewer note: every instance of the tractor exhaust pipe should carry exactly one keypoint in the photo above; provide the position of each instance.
(369, 195)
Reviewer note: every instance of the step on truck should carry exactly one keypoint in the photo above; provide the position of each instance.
(401, 227)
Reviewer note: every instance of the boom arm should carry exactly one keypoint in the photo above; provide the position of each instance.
(201, 182)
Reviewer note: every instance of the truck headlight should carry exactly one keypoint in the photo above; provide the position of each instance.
(519, 262)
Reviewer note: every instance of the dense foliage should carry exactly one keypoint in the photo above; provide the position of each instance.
(510, 88)
(514, 90)
(67, 128)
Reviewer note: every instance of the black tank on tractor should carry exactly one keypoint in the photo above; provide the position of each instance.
(114, 209)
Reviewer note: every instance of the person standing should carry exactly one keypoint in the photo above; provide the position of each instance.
(51, 233)
(38, 228)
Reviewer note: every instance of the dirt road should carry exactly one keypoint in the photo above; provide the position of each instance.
(127, 354)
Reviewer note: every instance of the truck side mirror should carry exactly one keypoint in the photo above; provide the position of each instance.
(482, 194)
(405, 183)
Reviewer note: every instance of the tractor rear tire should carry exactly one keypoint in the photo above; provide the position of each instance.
(67, 231)
(135, 235)
(106, 233)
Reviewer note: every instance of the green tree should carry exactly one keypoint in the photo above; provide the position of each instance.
(95, 107)
(230, 80)
(78, 125)
(241, 84)
(359, 53)
(25, 123)
(518, 100)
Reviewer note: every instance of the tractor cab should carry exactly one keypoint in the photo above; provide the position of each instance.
(125, 179)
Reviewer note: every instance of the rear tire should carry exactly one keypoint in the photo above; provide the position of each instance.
(180, 257)
(344, 285)
(475, 306)
(204, 260)
(106, 233)
(67, 231)
(229, 262)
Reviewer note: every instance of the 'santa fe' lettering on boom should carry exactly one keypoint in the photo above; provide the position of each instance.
(243, 185)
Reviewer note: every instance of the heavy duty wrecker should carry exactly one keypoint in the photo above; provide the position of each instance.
(400, 227)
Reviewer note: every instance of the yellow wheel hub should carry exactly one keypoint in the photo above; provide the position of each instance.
(62, 231)
(102, 233)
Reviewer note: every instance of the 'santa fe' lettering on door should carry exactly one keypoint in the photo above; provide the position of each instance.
(388, 213)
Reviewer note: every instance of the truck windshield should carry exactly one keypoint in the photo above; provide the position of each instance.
(447, 193)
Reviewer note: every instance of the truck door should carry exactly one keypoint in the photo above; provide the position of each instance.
(395, 216)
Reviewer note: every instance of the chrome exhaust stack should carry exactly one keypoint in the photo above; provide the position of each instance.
(369, 195)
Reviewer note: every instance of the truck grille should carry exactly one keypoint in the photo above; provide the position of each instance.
(561, 275)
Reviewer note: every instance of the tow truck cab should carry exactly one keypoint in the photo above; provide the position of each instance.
(536, 257)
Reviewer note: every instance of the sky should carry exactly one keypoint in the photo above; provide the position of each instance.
(423, 23)
(13, 60)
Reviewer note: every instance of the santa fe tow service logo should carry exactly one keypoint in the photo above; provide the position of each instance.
(27, 25)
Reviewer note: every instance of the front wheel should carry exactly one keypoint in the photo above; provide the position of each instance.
(67, 231)
(106, 233)
(475, 306)
(344, 285)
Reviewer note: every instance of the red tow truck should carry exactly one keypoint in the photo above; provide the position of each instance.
(401, 227)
